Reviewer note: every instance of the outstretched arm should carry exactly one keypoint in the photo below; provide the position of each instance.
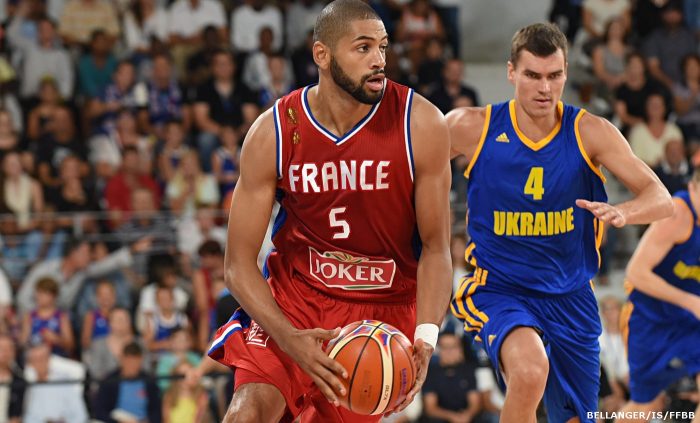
(251, 207)
(606, 146)
(657, 241)
(430, 140)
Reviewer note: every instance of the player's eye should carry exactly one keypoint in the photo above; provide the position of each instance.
(383, 47)
(363, 48)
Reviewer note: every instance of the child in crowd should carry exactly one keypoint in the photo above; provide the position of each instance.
(164, 321)
(46, 323)
(95, 323)
(181, 350)
(185, 400)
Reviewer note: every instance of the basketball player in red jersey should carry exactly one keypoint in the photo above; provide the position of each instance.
(360, 167)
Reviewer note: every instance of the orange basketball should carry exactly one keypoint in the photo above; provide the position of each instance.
(379, 362)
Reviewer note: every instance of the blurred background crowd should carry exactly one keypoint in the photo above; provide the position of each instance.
(121, 123)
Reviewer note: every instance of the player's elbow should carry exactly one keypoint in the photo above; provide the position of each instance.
(666, 204)
(635, 274)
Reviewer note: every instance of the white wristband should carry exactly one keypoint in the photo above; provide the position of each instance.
(428, 332)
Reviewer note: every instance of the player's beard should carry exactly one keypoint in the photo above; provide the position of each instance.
(357, 91)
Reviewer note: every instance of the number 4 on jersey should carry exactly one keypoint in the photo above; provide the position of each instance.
(339, 223)
(534, 185)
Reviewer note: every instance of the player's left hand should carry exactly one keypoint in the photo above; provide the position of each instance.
(421, 358)
(607, 213)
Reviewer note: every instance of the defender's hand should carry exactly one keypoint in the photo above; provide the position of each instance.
(306, 348)
(421, 358)
(604, 211)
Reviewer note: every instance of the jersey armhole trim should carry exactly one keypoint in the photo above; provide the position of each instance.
(482, 139)
(692, 221)
(407, 133)
(599, 230)
(278, 138)
(579, 141)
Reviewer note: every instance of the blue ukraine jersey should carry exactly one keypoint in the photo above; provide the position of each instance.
(680, 268)
(527, 234)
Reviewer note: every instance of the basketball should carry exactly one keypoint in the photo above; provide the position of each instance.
(379, 362)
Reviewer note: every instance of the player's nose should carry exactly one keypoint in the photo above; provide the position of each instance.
(378, 59)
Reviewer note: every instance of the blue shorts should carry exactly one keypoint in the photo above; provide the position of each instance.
(659, 354)
(568, 324)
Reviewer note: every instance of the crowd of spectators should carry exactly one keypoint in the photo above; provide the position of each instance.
(121, 123)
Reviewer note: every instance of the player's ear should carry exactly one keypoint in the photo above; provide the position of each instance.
(511, 72)
(322, 55)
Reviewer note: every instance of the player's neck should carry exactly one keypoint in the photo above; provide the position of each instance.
(536, 127)
(334, 108)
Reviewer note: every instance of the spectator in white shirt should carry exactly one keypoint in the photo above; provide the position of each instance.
(53, 402)
(249, 19)
(300, 18)
(142, 23)
(186, 22)
(45, 59)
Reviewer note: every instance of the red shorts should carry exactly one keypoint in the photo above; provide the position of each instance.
(243, 345)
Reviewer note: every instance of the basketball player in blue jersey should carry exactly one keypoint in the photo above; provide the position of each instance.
(662, 317)
(537, 208)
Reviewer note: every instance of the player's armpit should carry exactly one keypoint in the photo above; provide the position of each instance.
(465, 125)
(604, 145)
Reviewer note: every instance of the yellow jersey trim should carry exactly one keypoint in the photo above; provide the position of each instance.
(468, 254)
(625, 316)
(535, 145)
(692, 224)
(481, 275)
(480, 145)
(579, 140)
(599, 230)
(470, 324)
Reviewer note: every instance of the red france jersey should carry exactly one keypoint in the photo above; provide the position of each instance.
(347, 223)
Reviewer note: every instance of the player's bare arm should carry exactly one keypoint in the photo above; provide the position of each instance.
(431, 152)
(465, 126)
(656, 243)
(251, 207)
(606, 146)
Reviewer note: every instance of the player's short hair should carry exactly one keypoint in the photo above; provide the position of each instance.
(540, 39)
(334, 20)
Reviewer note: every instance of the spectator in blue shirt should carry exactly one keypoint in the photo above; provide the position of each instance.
(127, 394)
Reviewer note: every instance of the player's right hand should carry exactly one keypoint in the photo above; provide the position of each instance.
(604, 212)
(305, 346)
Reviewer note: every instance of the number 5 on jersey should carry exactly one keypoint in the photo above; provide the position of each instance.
(339, 223)
(534, 185)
